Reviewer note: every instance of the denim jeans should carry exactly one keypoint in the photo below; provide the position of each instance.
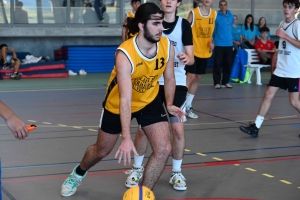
(99, 8)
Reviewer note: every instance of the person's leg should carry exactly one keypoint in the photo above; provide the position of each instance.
(159, 137)
(178, 141)
(178, 144)
(218, 62)
(294, 100)
(264, 56)
(16, 64)
(245, 45)
(77, 11)
(3, 53)
(266, 103)
(227, 66)
(253, 128)
(108, 135)
(194, 73)
(94, 154)
(192, 82)
(97, 6)
(136, 172)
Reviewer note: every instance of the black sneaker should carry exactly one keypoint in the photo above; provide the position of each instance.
(250, 130)
(7, 65)
(15, 76)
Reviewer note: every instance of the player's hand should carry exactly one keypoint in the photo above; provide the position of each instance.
(179, 113)
(17, 127)
(124, 151)
(211, 45)
(280, 33)
(183, 58)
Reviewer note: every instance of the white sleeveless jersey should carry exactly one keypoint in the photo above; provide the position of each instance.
(176, 39)
(288, 62)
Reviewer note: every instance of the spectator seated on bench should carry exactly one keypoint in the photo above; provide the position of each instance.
(264, 46)
(253, 64)
(7, 61)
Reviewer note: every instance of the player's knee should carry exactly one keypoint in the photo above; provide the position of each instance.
(165, 150)
(295, 103)
(100, 152)
(268, 95)
(178, 134)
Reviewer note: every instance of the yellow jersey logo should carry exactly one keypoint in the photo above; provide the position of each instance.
(143, 83)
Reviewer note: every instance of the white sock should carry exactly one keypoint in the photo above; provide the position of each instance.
(189, 99)
(176, 165)
(138, 161)
(259, 120)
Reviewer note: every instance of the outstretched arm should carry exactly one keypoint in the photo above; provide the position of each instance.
(14, 123)
(123, 68)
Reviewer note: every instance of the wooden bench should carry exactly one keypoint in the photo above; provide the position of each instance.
(253, 58)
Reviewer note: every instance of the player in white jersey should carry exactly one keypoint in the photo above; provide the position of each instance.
(287, 72)
(178, 30)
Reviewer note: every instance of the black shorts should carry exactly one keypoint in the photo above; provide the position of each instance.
(199, 66)
(291, 84)
(150, 114)
(179, 98)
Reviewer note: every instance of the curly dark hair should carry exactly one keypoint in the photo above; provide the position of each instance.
(142, 15)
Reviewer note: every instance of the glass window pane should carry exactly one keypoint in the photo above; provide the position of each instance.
(185, 7)
(272, 11)
(240, 8)
(95, 12)
(40, 12)
(26, 8)
(5, 11)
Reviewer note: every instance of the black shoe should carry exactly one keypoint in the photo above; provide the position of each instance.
(7, 65)
(15, 76)
(250, 130)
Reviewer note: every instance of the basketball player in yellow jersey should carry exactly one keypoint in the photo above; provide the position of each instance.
(132, 92)
(202, 20)
(135, 5)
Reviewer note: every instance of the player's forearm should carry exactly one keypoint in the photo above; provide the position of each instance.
(125, 115)
(294, 42)
(169, 87)
(5, 112)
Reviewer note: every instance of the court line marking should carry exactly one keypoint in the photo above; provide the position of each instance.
(286, 182)
(219, 159)
(268, 175)
(250, 169)
(195, 124)
(9, 195)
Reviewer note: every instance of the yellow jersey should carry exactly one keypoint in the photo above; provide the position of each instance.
(202, 30)
(130, 14)
(145, 73)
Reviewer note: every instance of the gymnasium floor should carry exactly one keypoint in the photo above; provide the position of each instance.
(220, 161)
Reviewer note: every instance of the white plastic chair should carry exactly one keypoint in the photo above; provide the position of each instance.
(253, 57)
